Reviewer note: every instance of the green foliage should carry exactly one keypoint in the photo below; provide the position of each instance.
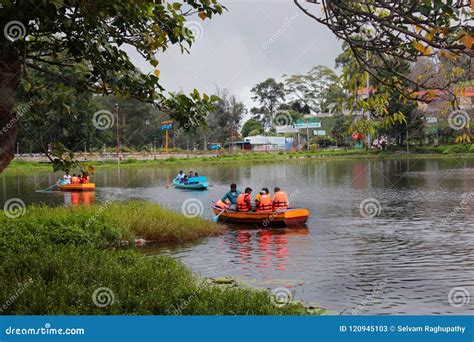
(64, 33)
(318, 89)
(80, 45)
(251, 127)
(269, 94)
(340, 130)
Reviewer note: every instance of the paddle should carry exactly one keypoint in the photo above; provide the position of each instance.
(52, 187)
(216, 218)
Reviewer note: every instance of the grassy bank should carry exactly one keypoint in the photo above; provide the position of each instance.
(262, 157)
(53, 260)
(100, 225)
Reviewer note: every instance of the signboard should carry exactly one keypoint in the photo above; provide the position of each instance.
(165, 125)
(308, 125)
(286, 129)
(431, 120)
(319, 132)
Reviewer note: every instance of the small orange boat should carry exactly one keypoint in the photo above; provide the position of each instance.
(77, 187)
(289, 217)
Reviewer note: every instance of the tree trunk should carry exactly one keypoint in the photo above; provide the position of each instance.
(9, 121)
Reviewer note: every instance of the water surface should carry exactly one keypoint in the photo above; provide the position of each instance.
(406, 260)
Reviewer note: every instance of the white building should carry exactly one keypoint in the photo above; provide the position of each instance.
(268, 143)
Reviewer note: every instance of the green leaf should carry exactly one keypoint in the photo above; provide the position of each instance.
(26, 86)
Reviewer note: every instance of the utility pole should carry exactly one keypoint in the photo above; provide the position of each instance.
(307, 135)
(408, 146)
(369, 117)
(118, 134)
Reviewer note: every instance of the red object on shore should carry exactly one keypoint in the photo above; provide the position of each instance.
(358, 136)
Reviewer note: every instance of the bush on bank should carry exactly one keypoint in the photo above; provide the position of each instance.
(100, 225)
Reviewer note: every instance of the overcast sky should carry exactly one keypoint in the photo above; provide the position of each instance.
(253, 40)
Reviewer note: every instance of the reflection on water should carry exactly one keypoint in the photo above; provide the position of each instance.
(74, 198)
(407, 255)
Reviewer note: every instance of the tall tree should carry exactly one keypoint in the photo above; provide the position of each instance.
(269, 94)
(223, 122)
(51, 32)
(318, 88)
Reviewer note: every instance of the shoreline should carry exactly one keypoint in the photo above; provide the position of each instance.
(261, 157)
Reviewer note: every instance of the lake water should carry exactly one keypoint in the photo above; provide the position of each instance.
(409, 259)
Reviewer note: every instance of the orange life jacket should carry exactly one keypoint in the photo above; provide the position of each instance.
(265, 203)
(280, 201)
(221, 204)
(243, 202)
(75, 180)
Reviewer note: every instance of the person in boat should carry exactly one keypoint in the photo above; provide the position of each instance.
(280, 200)
(85, 177)
(180, 176)
(264, 190)
(74, 179)
(184, 180)
(263, 201)
(195, 175)
(191, 174)
(232, 196)
(244, 201)
(66, 178)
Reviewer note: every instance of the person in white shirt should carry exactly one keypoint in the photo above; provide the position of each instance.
(67, 178)
(180, 176)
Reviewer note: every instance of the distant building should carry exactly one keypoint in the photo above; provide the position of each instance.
(263, 143)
